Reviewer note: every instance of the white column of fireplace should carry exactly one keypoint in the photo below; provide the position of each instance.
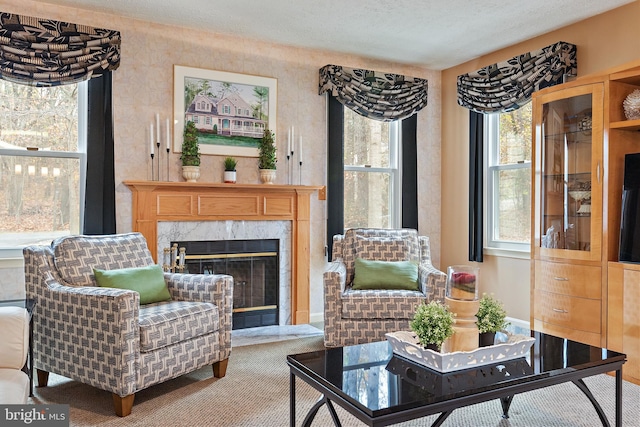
(169, 231)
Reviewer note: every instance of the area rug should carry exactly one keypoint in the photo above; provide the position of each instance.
(255, 393)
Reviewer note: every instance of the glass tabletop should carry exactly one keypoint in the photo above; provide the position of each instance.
(372, 378)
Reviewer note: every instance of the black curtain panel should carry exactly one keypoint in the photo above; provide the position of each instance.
(409, 172)
(100, 202)
(335, 172)
(476, 175)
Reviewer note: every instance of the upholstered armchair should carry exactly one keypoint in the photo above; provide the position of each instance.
(14, 348)
(356, 316)
(103, 336)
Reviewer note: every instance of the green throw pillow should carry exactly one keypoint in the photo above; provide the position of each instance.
(147, 281)
(385, 275)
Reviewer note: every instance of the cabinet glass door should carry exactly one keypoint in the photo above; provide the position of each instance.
(569, 135)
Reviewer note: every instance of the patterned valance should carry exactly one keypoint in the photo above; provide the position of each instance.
(508, 85)
(373, 94)
(44, 52)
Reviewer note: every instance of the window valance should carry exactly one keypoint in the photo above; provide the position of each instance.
(373, 94)
(507, 85)
(44, 52)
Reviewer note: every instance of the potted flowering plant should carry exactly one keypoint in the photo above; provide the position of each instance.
(433, 324)
(491, 319)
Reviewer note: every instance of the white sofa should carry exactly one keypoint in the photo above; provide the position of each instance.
(14, 348)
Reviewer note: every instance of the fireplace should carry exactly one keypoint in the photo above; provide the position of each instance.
(254, 265)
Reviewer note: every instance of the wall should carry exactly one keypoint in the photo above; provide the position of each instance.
(604, 41)
(143, 86)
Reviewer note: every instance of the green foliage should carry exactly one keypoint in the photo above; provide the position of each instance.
(432, 323)
(190, 148)
(267, 151)
(491, 315)
(230, 164)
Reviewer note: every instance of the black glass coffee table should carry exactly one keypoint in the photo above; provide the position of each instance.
(351, 378)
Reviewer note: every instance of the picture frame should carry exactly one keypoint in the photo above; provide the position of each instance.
(230, 110)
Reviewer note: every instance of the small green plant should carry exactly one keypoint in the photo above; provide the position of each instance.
(433, 323)
(190, 149)
(267, 151)
(491, 315)
(230, 164)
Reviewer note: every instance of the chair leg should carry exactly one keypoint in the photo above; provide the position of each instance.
(220, 368)
(123, 405)
(43, 378)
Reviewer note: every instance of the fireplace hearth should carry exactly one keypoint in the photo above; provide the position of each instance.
(254, 265)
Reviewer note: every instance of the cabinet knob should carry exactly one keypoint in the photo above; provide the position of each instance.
(560, 310)
(561, 279)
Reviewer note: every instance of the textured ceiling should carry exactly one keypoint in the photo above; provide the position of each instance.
(436, 34)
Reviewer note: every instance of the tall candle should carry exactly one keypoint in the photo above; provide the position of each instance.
(168, 136)
(300, 149)
(158, 128)
(289, 142)
(151, 136)
(293, 139)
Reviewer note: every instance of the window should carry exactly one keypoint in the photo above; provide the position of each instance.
(371, 172)
(42, 163)
(508, 179)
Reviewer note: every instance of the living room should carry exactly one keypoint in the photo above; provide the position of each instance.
(150, 51)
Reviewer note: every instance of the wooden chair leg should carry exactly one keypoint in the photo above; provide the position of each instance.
(123, 405)
(43, 378)
(220, 368)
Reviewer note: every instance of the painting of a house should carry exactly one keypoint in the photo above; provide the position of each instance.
(230, 111)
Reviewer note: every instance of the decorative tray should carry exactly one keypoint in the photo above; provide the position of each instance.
(406, 344)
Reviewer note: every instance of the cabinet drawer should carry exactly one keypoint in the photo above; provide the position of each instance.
(567, 279)
(570, 312)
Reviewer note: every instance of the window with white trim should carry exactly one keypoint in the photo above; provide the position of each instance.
(42, 163)
(372, 175)
(508, 179)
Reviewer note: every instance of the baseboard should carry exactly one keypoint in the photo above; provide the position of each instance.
(316, 317)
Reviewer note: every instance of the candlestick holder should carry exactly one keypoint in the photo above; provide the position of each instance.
(158, 160)
(152, 172)
(300, 173)
(168, 165)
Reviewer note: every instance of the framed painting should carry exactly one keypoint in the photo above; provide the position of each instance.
(230, 110)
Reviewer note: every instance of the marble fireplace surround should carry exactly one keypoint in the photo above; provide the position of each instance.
(239, 211)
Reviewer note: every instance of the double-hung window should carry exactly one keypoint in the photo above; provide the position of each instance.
(508, 179)
(372, 180)
(42, 163)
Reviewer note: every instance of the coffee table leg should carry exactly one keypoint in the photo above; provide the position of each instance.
(506, 404)
(603, 418)
(292, 400)
(619, 398)
(314, 410)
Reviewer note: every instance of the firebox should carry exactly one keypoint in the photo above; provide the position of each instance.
(254, 267)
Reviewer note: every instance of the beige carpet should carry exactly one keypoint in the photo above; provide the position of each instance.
(255, 393)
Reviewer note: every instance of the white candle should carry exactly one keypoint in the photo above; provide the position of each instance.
(168, 136)
(293, 139)
(300, 149)
(289, 142)
(151, 136)
(158, 128)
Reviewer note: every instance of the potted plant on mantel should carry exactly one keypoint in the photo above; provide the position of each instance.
(190, 153)
(491, 317)
(432, 324)
(267, 157)
(230, 170)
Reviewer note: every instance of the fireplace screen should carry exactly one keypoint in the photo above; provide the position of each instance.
(254, 267)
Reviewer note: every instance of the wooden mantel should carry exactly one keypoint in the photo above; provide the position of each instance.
(155, 201)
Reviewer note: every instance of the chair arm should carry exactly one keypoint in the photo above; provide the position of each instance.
(432, 282)
(213, 288)
(334, 284)
(14, 345)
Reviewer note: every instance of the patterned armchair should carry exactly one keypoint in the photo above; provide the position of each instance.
(103, 336)
(357, 316)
